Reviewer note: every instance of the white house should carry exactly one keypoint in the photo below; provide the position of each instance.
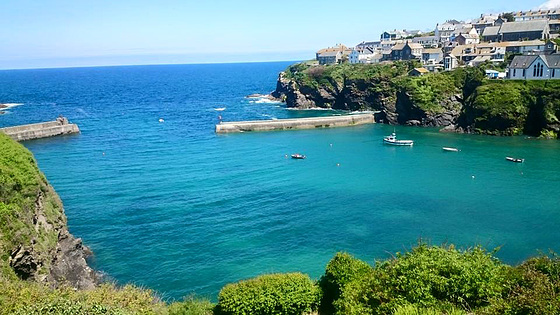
(426, 41)
(450, 62)
(364, 55)
(536, 67)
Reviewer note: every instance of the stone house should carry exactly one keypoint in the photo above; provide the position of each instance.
(332, 55)
(426, 41)
(525, 30)
(432, 56)
(535, 67)
(406, 51)
(450, 62)
(467, 39)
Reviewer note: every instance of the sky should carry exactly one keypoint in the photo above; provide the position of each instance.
(71, 33)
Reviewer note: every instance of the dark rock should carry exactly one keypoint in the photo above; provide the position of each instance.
(69, 265)
(23, 262)
(413, 122)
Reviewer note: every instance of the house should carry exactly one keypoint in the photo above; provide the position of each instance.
(450, 62)
(443, 32)
(426, 41)
(332, 55)
(484, 21)
(364, 45)
(418, 72)
(525, 47)
(467, 39)
(329, 57)
(535, 67)
(395, 34)
(406, 51)
(525, 30)
(537, 15)
(554, 26)
(490, 34)
(432, 55)
(364, 55)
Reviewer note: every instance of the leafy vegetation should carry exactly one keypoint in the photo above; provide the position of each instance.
(292, 293)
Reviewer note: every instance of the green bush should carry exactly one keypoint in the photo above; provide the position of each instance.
(342, 269)
(426, 277)
(192, 306)
(292, 293)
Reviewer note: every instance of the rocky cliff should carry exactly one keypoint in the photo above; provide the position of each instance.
(34, 239)
(460, 101)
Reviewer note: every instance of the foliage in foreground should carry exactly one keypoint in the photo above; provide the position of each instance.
(292, 293)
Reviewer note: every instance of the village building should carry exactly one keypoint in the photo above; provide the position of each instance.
(535, 67)
(426, 41)
(467, 39)
(450, 62)
(525, 30)
(485, 20)
(517, 31)
(554, 26)
(432, 56)
(491, 34)
(364, 56)
(406, 51)
(332, 55)
(418, 72)
(553, 14)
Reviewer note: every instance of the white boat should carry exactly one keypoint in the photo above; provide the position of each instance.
(221, 109)
(392, 140)
(515, 160)
(450, 149)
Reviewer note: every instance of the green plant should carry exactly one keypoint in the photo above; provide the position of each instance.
(292, 293)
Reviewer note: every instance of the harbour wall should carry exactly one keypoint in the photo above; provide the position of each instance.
(292, 124)
(41, 130)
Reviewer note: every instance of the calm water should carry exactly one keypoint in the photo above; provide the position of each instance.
(177, 208)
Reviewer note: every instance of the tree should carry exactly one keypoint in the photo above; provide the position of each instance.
(508, 16)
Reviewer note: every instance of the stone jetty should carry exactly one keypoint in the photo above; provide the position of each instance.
(293, 124)
(60, 126)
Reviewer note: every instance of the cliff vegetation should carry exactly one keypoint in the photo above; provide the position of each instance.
(463, 100)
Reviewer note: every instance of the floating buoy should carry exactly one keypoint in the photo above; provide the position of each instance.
(472, 177)
(161, 120)
(337, 164)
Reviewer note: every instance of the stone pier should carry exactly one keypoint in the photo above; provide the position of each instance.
(61, 126)
(292, 124)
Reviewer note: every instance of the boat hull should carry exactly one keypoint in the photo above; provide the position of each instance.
(399, 142)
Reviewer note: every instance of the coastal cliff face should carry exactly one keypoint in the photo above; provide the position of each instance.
(34, 239)
(460, 101)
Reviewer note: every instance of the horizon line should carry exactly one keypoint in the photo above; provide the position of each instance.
(147, 64)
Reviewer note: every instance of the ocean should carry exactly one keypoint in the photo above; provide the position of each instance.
(174, 207)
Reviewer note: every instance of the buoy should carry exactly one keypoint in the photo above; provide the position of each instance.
(161, 120)
(103, 153)
(331, 144)
(337, 164)
(472, 177)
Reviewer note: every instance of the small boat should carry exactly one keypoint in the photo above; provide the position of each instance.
(515, 160)
(298, 156)
(450, 149)
(221, 109)
(392, 140)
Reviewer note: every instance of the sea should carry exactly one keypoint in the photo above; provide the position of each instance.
(166, 203)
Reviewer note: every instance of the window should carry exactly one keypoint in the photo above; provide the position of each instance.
(524, 73)
(514, 72)
(535, 70)
(553, 73)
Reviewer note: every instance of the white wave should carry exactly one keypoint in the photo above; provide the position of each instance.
(311, 108)
(5, 106)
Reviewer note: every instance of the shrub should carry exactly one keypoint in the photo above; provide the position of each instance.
(426, 277)
(192, 306)
(342, 269)
(292, 293)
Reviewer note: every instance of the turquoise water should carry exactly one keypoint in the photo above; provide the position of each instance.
(179, 209)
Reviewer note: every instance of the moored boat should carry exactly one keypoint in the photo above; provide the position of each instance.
(298, 156)
(392, 140)
(515, 160)
(450, 149)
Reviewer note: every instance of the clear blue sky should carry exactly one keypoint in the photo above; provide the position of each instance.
(56, 33)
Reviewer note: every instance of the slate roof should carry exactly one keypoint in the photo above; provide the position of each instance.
(329, 54)
(523, 62)
(491, 31)
(433, 51)
(524, 26)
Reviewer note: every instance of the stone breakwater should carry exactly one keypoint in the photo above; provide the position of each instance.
(293, 124)
(41, 130)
